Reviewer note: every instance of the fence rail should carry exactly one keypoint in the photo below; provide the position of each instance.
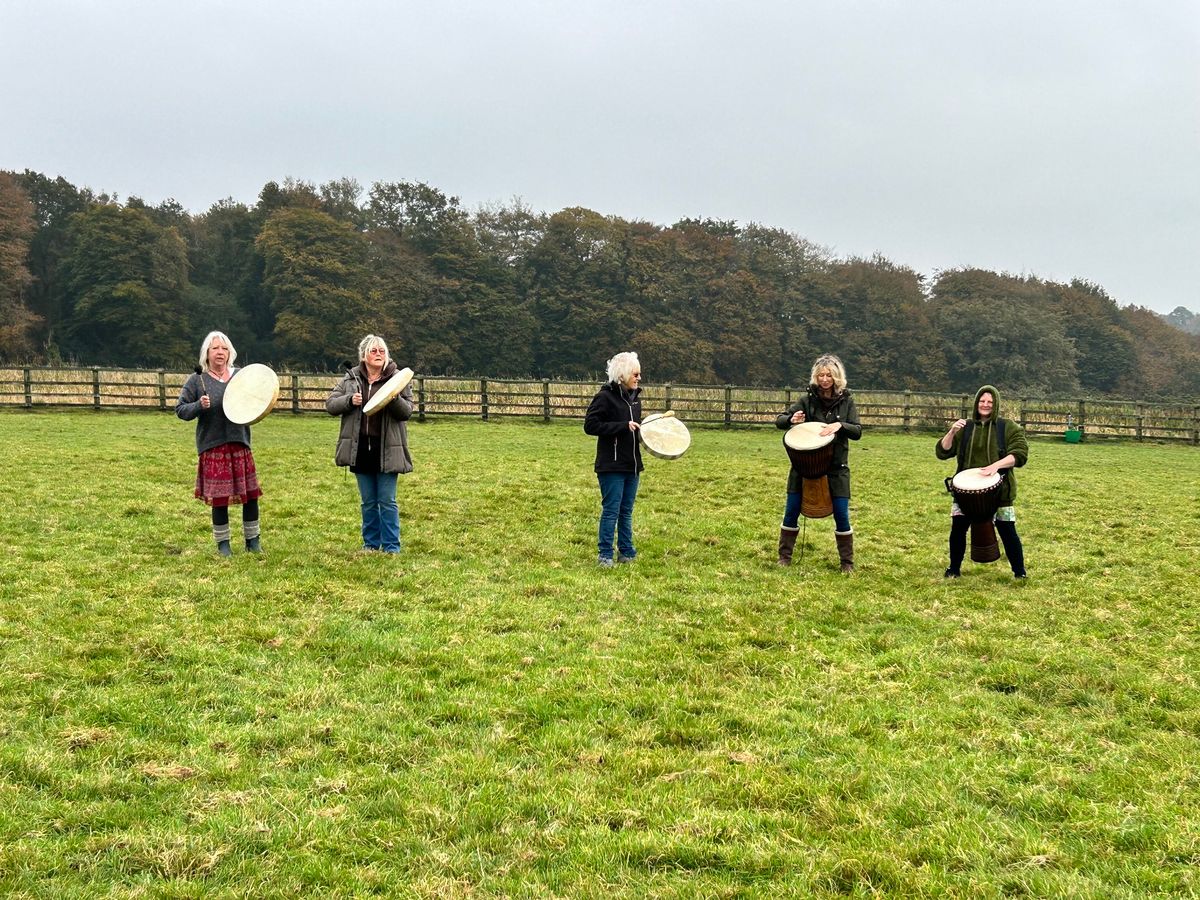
(33, 387)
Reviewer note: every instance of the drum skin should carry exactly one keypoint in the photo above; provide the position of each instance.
(250, 394)
(388, 392)
(664, 435)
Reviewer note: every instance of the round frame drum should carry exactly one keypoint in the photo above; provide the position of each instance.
(811, 455)
(388, 392)
(250, 394)
(978, 496)
(664, 435)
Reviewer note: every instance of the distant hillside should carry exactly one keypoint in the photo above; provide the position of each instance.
(1184, 320)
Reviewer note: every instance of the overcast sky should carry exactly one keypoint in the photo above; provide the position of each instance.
(1058, 139)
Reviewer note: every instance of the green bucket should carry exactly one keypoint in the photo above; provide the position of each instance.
(1072, 435)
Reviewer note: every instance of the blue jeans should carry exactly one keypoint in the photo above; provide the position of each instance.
(618, 490)
(380, 515)
(841, 512)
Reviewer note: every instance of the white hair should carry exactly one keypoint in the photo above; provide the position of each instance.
(207, 342)
(370, 342)
(621, 366)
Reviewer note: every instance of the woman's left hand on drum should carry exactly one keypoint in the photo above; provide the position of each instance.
(798, 417)
(989, 471)
(831, 428)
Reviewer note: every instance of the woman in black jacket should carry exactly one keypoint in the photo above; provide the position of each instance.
(613, 417)
(829, 401)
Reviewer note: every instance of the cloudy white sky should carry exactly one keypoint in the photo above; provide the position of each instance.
(1059, 139)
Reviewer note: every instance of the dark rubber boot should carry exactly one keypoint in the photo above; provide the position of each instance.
(845, 545)
(787, 544)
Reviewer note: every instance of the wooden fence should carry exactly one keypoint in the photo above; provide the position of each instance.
(36, 387)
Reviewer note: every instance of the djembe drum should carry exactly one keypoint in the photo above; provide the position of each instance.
(811, 455)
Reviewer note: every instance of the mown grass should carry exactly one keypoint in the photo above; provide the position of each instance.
(491, 715)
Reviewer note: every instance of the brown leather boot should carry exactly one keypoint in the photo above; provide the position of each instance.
(787, 543)
(845, 545)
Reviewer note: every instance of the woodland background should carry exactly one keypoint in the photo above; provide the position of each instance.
(505, 291)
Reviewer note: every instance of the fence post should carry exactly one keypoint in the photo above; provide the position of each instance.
(420, 398)
(1024, 401)
(1082, 410)
(162, 390)
(295, 393)
(1141, 415)
(907, 410)
(667, 397)
(728, 405)
(28, 388)
(545, 399)
(95, 387)
(1196, 424)
(483, 398)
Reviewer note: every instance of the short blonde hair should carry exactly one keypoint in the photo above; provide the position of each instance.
(371, 341)
(621, 366)
(207, 343)
(835, 367)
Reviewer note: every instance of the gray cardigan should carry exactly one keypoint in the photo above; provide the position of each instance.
(212, 428)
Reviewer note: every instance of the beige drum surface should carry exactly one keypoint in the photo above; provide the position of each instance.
(389, 391)
(665, 436)
(971, 480)
(250, 394)
(807, 436)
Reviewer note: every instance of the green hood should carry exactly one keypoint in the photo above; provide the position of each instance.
(987, 389)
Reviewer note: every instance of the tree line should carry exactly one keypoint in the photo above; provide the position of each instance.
(297, 278)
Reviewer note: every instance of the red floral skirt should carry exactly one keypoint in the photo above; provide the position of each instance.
(226, 475)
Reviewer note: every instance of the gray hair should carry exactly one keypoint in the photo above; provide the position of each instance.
(835, 367)
(207, 342)
(369, 343)
(621, 366)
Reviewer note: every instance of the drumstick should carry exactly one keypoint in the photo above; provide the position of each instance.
(203, 383)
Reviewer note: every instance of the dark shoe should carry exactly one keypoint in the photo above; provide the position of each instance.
(624, 560)
(951, 573)
(787, 544)
(224, 549)
(1020, 575)
(605, 562)
(845, 545)
(253, 546)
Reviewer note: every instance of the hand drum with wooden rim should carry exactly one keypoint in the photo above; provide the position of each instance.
(250, 394)
(388, 391)
(664, 435)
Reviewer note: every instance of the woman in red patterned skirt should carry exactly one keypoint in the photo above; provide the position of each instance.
(225, 473)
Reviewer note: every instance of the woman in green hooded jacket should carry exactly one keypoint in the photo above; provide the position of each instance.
(982, 451)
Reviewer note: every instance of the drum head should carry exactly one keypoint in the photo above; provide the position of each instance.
(971, 480)
(389, 391)
(665, 436)
(250, 394)
(807, 436)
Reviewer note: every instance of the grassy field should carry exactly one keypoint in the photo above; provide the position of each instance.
(490, 714)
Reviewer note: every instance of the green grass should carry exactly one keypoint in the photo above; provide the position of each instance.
(492, 715)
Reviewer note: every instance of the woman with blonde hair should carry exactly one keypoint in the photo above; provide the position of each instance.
(225, 473)
(828, 401)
